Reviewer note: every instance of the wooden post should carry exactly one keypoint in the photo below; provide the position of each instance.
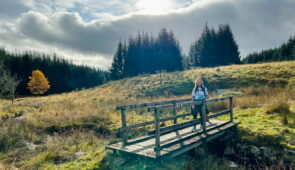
(231, 108)
(124, 131)
(157, 132)
(174, 113)
(204, 115)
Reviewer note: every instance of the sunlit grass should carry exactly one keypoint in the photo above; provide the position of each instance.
(61, 125)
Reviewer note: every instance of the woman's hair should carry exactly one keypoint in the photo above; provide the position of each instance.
(196, 83)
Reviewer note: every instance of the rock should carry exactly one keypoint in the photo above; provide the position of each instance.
(79, 154)
(232, 164)
(289, 151)
(18, 117)
(29, 145)
(266, 152)
(119, 161)
(253, 151)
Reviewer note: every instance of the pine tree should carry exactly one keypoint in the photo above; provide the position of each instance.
(293, 49)
(228, 51)
(192, 59)
(204, 48)
(118, 62)
(38, 83)
(214, 48)
(130, 59)
(168, 52)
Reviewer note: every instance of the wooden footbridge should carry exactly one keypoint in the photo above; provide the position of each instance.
(172, 140)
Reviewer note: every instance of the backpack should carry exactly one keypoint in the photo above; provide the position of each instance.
(204, 94)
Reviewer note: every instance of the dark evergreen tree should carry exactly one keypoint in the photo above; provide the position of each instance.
(168, 52)
(116, 69)
(192, 59)
(227, 48)
(130, 65)
(214, 48)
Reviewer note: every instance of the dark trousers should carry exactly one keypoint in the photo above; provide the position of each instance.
(198, 110)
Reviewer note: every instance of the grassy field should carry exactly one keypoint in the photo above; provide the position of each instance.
(71, 130)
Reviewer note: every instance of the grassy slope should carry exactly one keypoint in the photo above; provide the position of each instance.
(88, 120)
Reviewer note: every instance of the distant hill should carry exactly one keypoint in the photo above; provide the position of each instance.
(180, 83)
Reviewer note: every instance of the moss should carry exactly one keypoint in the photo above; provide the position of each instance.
(264, 129)
(65, 157)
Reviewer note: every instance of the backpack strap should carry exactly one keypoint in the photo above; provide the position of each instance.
(204, 89)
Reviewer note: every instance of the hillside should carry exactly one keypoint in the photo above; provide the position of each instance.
(71, 130)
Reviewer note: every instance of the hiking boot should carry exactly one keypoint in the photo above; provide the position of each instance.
(194, 129)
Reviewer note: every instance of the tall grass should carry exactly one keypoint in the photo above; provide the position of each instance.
(14, 134)
(260, 96)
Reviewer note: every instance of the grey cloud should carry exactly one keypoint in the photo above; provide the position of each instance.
(12, 8)
(69, 31)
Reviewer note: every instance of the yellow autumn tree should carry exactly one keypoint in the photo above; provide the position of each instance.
(38, 83)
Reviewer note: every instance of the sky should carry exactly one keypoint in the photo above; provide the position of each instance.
(87, 31)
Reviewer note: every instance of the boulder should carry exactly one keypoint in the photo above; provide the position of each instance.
(254, 150)
(119, 161)
(29, 145)
(266, 152)
(232, 164)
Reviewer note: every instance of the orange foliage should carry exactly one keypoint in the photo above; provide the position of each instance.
(38, 83)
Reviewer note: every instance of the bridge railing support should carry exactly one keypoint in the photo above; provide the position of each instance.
(157, 132)
(124, 124)
(204, 115)
(231, 108)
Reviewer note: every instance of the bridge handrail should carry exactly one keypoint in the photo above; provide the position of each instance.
(185, 104)
(133, 106)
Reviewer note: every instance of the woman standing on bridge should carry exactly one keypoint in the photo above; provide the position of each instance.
(199, 93)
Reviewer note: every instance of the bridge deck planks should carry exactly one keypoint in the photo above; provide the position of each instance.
(146, 148)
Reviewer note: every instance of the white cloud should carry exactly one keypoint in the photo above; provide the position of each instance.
(256, 25)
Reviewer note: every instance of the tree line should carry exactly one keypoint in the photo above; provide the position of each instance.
(148, 54)
(285, 52)
(63, 75)
(214, 48)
